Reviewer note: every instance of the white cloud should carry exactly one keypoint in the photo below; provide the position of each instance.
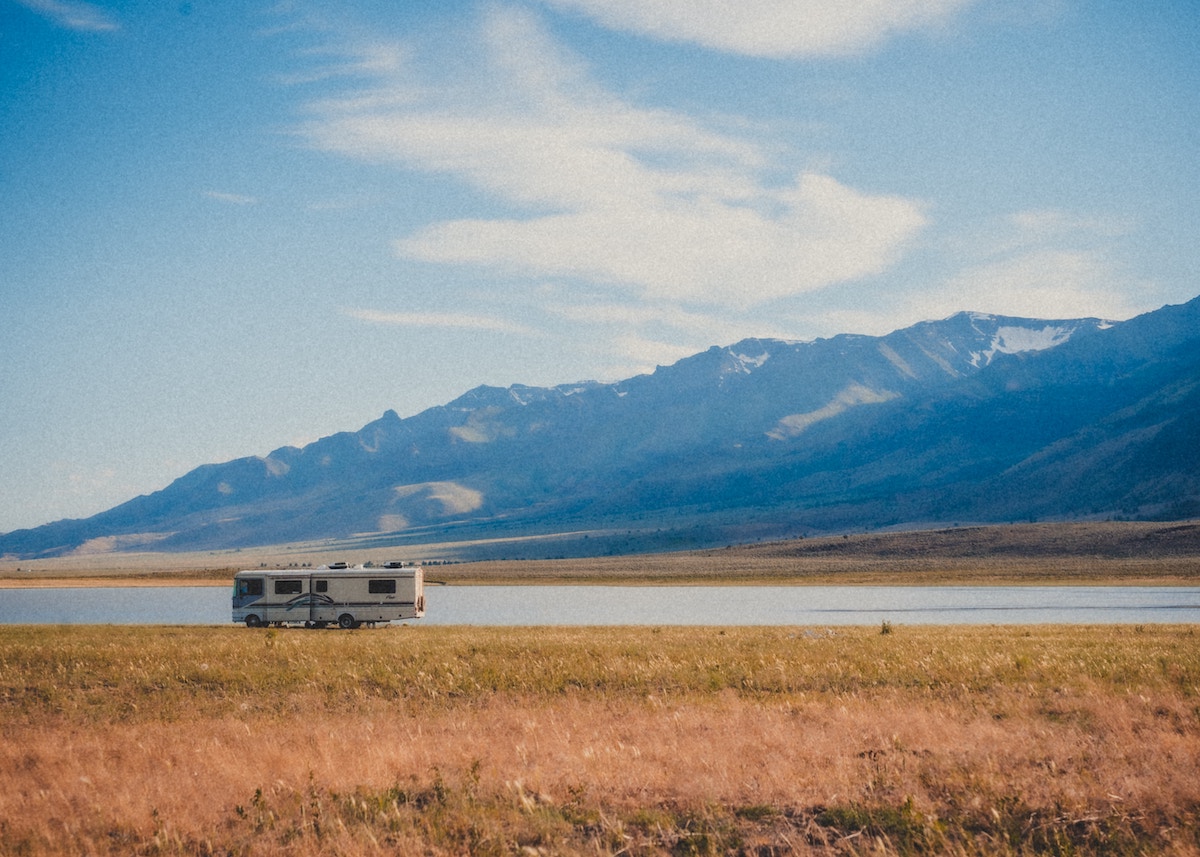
(647, 353)
(1043, 283)
(611, 192)
(1044, 263)
(1052, 223)
(770, 28)
(634, 337)
(369, 59)
(73, 15)
(232, 198)
(447, 320)
(715, 251)
(701, 328)
(1039, 263)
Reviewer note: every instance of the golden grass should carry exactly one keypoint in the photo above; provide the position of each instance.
(429, 740)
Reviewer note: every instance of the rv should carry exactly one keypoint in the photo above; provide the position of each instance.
(332, 594)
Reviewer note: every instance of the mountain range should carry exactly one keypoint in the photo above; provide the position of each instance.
(974, 418)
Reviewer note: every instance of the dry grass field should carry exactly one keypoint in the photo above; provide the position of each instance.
(441, 740)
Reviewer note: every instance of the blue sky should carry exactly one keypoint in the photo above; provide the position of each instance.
(228, 227)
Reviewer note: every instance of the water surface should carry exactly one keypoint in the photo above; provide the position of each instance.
(654, 605)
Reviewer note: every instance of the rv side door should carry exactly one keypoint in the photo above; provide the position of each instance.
(289, 602)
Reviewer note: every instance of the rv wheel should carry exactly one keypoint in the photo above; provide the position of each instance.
(346, 622)
(253, 621)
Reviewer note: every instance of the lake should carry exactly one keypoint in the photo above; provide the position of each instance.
(654, 605)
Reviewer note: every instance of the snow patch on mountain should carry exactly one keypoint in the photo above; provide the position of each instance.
(749, 362)
(743, 364)
(1015, 340)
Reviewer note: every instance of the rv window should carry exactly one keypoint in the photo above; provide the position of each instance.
(380, 587)
(250, 586)
(287, 587)
(321, 586)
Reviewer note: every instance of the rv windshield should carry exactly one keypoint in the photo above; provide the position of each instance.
(248, 586)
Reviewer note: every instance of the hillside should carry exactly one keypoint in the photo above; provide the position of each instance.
(1104, 553)
(1079, 553)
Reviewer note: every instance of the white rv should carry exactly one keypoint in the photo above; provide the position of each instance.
(318, 597)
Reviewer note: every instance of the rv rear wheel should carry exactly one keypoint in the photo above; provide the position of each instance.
(346, 622)
(253, 621)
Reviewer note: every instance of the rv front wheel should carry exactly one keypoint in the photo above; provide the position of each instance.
(253, 621)
(346, 622)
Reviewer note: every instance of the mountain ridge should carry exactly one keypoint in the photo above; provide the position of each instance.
(973, 417)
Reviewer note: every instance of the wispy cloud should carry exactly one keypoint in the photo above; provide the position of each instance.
(650, 200)
(646, 353)
(461, 321)
(1052, 223)
(1043, 263)
(1044, 282)
(668, 320)
(231, 198)
(368, 58)
(74, 15)
(770, 28)
(713, 250)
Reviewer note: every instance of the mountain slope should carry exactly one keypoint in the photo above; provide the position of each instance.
(974, 417)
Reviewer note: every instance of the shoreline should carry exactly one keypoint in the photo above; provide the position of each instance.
(644, 571)
(109, 582)
(1115, 582)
